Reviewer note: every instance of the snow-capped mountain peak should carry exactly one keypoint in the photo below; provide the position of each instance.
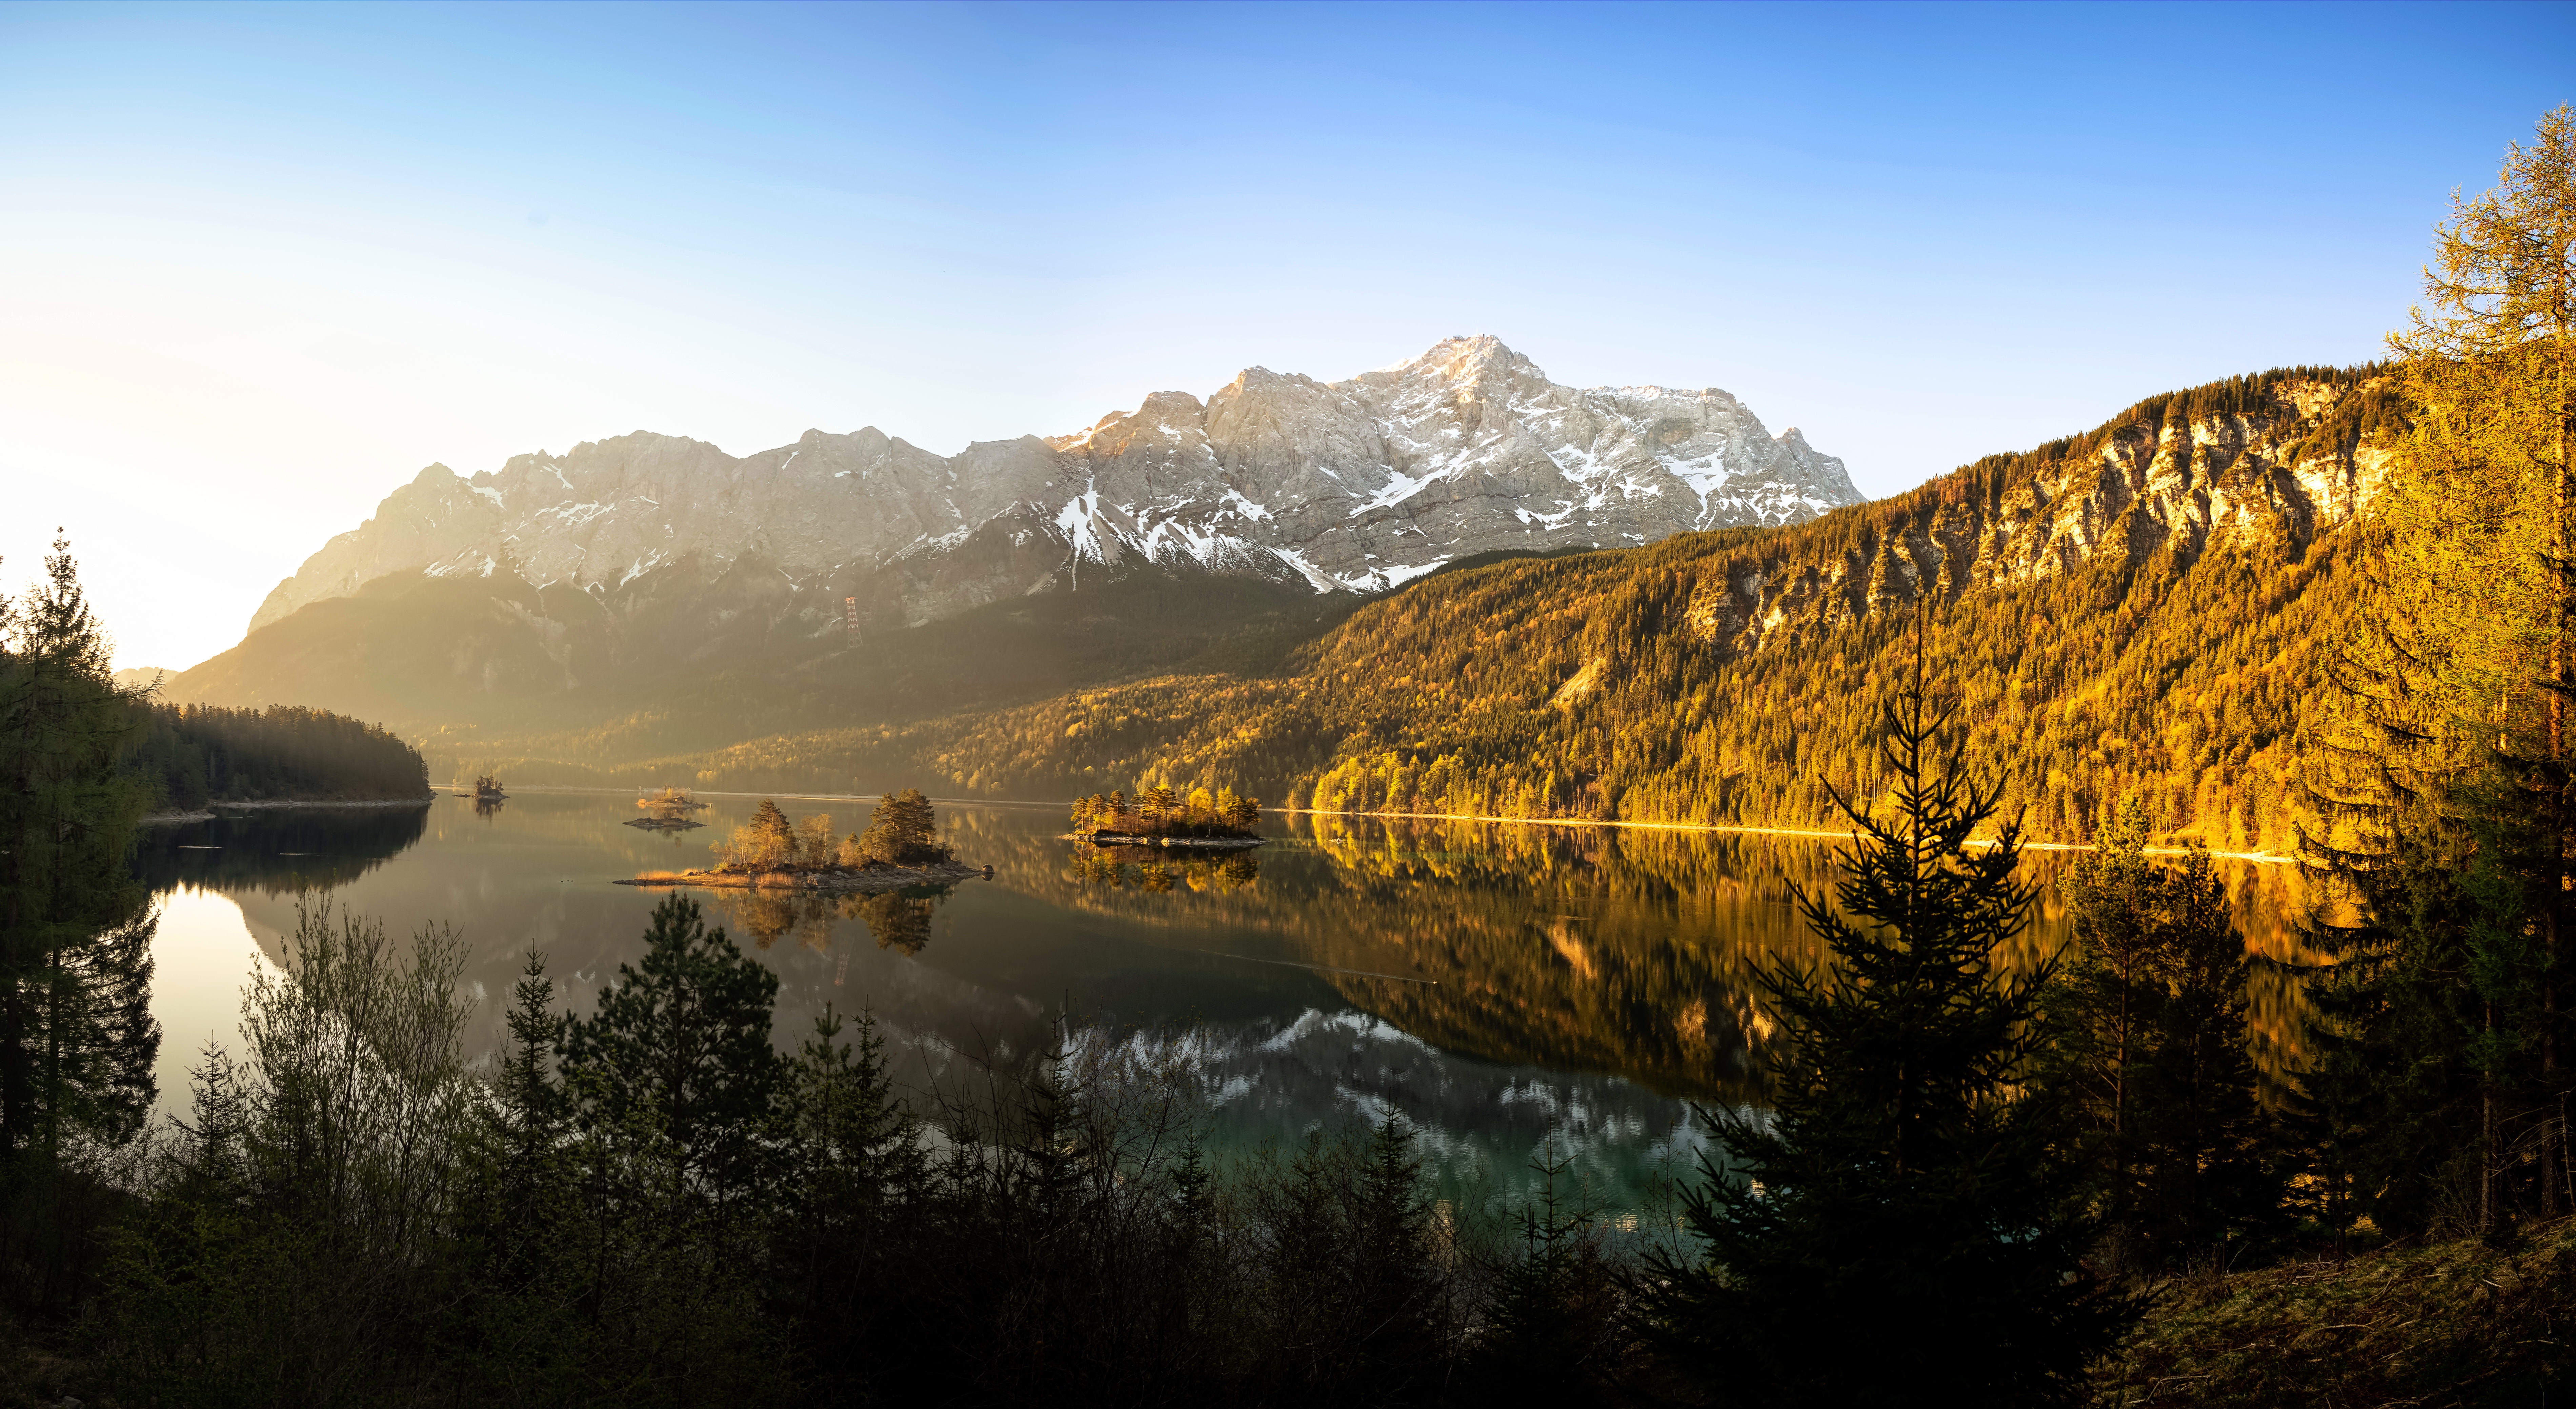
(1359, 484)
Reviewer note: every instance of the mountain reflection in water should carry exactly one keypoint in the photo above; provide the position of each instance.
(1496, 983)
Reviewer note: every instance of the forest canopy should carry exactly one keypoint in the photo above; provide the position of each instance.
(190, 755)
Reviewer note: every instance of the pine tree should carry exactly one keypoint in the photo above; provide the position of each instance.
(77, 1040)
(2147, 1020)
(1551, 1325)
(2454, 743)
(1394, 1317)
(1905, 1190)
(520, 1213)
(676, 1061)
(1193, 1199)
(766, 842)
(2105, 997)
(523, 1164)
(853, 1182)
(903, 831)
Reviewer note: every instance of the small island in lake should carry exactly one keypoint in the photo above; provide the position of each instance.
(668, 811)
(900, 848)
(1159, 816)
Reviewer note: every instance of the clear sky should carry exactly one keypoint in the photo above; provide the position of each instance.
(258, 265)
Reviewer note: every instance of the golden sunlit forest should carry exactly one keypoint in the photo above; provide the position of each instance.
(2162, 641)
(1814, 851)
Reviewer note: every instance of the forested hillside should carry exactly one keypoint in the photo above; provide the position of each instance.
(189, 755)
(2138, 611)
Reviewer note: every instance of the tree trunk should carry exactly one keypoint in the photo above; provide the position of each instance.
(2486, 1155)
(2553, 1146)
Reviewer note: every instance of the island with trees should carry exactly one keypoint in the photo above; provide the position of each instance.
(1159, 815)
(900, 847)
(668, 811)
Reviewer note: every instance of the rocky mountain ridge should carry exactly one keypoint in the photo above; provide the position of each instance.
(1360, 484)
(2278, 459)
(2146, 610)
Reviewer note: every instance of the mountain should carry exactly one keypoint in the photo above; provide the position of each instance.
(2146, 610)
(1356, 485)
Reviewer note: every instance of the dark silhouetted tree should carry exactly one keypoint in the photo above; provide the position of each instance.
(2147, 1025)
(677, 1058)
(1904, 1188)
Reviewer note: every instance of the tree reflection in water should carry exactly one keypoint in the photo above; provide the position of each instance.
(899, 920)
(276, 852)
(1158, 872)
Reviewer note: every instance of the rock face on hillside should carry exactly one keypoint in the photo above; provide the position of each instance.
(2297, 458)
(1359, 484)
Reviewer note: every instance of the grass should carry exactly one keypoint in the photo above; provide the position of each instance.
(2441, 1324)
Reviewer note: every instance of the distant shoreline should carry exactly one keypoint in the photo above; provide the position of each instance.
(211, 811)
(2259, 857)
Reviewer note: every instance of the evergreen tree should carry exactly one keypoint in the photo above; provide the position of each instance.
(523, 1126)
(854, 1179)
(765, 843)
(903, 831)
(677, 1061)
(523, 1271)
(1394, 1294)
(77, 1040)
(1349, 1282)
(2147, 1020)
(2450, 809)
(1193, 1198)
(1551, 1326)
(2210, 1181)
(191, 754)
(2426, 1108)
(1904, 1191)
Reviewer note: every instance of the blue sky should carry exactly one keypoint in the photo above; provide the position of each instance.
(260, 264)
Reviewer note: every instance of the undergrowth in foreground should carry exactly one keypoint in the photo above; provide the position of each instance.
(2452, 1323)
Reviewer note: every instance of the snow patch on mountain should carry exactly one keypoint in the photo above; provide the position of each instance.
(1358, 485)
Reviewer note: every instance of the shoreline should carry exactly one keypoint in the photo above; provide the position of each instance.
(214, 810)
(828, 883)
(2260, 858)
(574, 788)
(326, 802)
(2263, 858)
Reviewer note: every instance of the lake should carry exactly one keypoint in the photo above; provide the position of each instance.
(1500, 984)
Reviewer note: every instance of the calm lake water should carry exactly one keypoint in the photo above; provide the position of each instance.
(1499, 984)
